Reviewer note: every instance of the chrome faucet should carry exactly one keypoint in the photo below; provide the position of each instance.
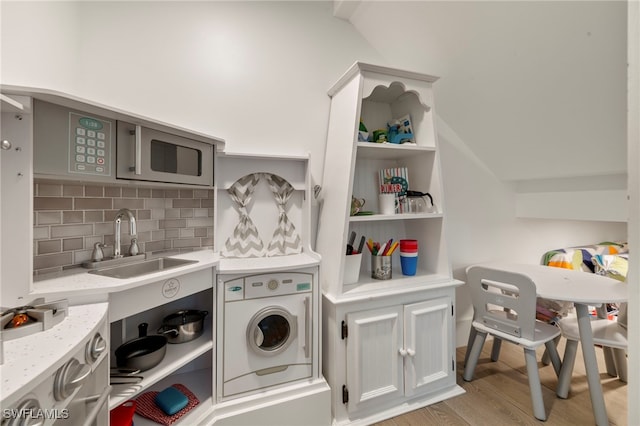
(133, 248)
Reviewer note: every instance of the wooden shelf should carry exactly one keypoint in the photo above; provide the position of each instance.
(177, 356)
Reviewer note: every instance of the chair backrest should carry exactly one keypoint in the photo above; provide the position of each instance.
(514, 296)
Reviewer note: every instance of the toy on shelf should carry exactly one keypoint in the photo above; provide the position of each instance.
(400, 130)
(363, 133)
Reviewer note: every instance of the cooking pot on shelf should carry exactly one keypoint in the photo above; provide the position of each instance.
(183, 326)
(142, 353)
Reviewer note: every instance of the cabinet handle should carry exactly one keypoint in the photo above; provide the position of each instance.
(411, 352)
(403, 352)
(136, 169)
(6, 144)
(307, 323)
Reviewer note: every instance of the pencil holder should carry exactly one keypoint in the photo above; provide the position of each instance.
(352, 268)
(381, 267)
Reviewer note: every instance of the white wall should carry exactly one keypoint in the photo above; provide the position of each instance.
(39, 44)
(253, 73)
(536, 89)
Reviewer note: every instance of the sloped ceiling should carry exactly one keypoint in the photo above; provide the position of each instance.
(536, 90)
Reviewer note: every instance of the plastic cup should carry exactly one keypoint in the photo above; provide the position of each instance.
(409, 257)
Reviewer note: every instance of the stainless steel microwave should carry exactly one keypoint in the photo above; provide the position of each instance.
(148, 154)
(75, 144)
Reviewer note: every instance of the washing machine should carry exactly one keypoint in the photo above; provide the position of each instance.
(267, 330)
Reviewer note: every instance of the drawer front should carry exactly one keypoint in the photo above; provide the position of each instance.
(129, 302)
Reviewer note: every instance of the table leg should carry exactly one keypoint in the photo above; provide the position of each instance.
(591, 365)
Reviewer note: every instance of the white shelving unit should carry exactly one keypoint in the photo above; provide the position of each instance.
(404, 325)
(190, 363)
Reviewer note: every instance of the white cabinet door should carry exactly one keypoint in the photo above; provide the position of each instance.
(427, 342)
(374, 363)
(16, 190)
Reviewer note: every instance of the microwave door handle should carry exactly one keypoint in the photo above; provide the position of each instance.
(137, 168)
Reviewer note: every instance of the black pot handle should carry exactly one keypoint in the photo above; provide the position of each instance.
(142, 329)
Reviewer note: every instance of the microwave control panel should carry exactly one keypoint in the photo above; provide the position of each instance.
(89, 145)
(73, 144)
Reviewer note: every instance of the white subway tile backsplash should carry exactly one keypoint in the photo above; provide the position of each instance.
(187, 233)
(201, 213)
(200, 221)
(157, 214)
(48, 218)
(49, 190)
(154, 203)
(41, 232)
(71, 230)
(70, 218)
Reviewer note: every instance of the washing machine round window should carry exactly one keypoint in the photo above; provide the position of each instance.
(271, 331)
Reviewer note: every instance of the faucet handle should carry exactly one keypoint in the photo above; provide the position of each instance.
(98, 254)
(133, 248)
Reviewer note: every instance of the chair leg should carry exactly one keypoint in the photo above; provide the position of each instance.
(564, 379)
(545, 355)
(535, 387)
(472, 337)
(474, 354)
(609, 361)
(552, 351)
(620, 359)
(495, 349)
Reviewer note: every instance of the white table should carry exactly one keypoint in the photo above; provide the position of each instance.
(583, 289)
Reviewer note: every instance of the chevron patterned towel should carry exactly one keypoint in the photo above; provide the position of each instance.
(245, 241)
(285, 239)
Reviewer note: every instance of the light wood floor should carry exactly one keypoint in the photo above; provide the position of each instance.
(499, 395)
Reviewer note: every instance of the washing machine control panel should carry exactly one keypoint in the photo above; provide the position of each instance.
(265, 285)
(273, 284)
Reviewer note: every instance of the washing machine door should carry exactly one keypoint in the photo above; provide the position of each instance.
(271, 331)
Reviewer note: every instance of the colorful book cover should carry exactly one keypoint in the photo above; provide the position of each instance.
(395, 180)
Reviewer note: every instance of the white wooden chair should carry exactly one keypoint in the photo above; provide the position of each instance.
(505, 307)
(606, 333)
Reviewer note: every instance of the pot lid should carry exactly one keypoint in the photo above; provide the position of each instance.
(184, 317)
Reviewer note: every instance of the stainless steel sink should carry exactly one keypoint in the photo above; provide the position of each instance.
(136, 269)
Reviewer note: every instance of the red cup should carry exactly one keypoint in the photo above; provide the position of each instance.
(409, 246)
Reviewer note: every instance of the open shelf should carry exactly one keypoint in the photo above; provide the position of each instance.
(386, 217)
(193, 380)
(386, 151)
(177, 356)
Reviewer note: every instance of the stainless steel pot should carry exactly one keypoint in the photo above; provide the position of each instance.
(183, 326)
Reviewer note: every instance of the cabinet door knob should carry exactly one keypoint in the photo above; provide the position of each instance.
(411, 352)
(402, 351)
(6, 144)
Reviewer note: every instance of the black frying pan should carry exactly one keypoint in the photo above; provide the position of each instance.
(142, 353)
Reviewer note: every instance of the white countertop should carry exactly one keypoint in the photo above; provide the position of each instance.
(30, 359)
(80, 283)
(267, 264)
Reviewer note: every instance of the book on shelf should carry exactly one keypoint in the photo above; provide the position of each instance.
(395, 180)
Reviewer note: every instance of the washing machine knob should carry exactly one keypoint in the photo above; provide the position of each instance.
(272, 284)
